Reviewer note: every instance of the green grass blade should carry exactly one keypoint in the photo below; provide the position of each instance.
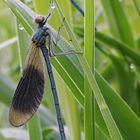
(41, 7)
(89, 53)
(111, 125)
(105, 39)
(137, 6)
(69, 108)
(67, 78)
(6, 89)
(117, 19)
(22, 44)
(67, 102)
(35, 128)
(100, 135)
(126, 118)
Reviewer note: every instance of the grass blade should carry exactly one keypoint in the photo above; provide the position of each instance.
(125, 124)
(137, 5)
(105, 39)
(117, 20)
(111, 125)
(89, 53)
(35, 128)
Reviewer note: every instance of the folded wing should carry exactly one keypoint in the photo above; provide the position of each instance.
(29, 92)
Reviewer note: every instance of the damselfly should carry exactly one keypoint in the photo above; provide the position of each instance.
(29, 92)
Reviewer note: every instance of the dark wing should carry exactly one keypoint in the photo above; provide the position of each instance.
(29, 92)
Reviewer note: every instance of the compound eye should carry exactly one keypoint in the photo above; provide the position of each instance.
(39, 19)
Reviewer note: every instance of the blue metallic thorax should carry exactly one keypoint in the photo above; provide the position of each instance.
(39, 36)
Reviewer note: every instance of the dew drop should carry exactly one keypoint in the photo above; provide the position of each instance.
(132, 66)
(52, 6)
(20, 27)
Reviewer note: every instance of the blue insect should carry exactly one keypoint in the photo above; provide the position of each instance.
(30, 89)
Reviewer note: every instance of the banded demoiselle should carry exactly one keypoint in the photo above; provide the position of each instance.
(29, 92)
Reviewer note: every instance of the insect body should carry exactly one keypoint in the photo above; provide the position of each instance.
(29, 92)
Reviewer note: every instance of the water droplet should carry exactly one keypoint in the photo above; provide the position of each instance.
(132, 66)
(20, 27)
(52, 6)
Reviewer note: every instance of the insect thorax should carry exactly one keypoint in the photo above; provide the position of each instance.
(39, 36)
